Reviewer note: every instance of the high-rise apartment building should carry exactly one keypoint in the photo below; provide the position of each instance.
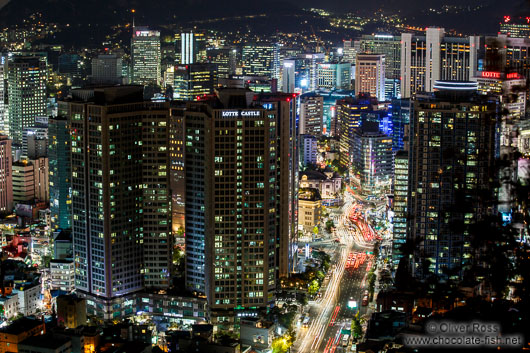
(288, 75)
(453, 151)
(35, 139)
(4, 122)
(59, 168)
(507, 54)
(6, 176)
(194, 80)
(237, 226)
(120, 195)
(334, 76)
(107, 69)
(426, 59)
(370, 75)
(231, 180)
(27, 77)
(311, 114)
(145, 56)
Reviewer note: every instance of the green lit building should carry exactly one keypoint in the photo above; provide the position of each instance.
(59, 172)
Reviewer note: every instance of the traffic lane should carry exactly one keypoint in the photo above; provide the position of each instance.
(350, 286)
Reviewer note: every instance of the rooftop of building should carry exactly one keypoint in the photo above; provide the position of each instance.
(20, 326)
(309, 194)
(47, 341)
(313, 175)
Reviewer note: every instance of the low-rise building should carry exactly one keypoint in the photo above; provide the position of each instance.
(71, 311)
(18, 331)
(309, 208)
(256, 333)
(29, 297)
(328, 184)
(45, 344)
(62, 273)
(9, 306)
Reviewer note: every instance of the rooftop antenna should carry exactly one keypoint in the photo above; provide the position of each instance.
(133, 11)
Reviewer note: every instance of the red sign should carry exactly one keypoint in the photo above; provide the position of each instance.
(490, 74)
(507, 19)
(513, 75)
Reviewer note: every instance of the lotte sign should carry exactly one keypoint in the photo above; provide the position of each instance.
(490, 74)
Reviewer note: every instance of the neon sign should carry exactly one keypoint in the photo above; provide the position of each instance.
(513, 75)
(507, 19)
(490, 74)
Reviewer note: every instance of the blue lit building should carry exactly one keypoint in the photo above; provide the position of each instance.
(59, 169)
(401, 110)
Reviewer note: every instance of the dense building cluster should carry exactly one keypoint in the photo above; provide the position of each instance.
(193, 190)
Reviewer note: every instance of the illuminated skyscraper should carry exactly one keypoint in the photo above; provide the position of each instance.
(370, 75)
(225, 59)
(6, 176)
(389, 46)
(311, 114)
(194, 80)
(288, 75)
(400, 204)
(426, 59)
(120, 196)
(515, 27)
(241, 223)
(145, 56)
(371, 156)
(60, 177)
(334, 76)
(26, 94)
(453, 143)
(107, 69)
(259, 60)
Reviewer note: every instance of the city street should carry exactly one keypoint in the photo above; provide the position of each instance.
(330, 314)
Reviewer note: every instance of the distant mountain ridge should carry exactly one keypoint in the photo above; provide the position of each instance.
(151, 11)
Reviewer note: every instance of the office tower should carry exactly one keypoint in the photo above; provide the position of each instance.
(334, 76)
(6, 176)
(26, 93)
(225, 59)
(35, 139)
(231, 180)
(258, 59)
(453, 151)
(145, 56)
(309, 149)
(350, 50)
(68, 64)
(400, 204)
(311, 114)
(59, 166)
(190, 47)
(177, 179)
(41, 178)
(107, 69)
(372, 157)
(288, 76)
(23, 182)
(194, 80)
(349, 117)
(370, 75)
(389, 46)
(515, 27)
(451, 59)
(187, 48)
(401, 112)
(506, 54)
(120, 195)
